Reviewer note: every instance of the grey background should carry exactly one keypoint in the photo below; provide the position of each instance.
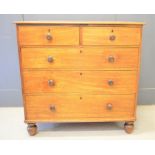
(10, 86)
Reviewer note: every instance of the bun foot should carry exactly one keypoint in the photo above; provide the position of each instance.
(32, 129)
(128, 127)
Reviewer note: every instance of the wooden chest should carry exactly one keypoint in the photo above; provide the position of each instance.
(79, 71)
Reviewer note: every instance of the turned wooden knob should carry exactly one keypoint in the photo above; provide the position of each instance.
(109, 106)
(53, 108)
(49, 36)
(111, 59)
(50, 59)
(112, 37)
(51, 82)
(110, 82)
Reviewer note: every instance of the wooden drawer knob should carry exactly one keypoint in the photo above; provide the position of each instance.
(52, 108)
(109, 106)
(110, 82)
(49, 36)
(51, 82)
(112, 37)
(50, 59)
(111, 59)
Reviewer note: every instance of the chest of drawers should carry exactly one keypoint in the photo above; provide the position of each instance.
(79, 71)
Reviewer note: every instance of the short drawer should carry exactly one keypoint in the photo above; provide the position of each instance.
(111, 36)
(102, 58)
(48, 35)
(105, 82)
(71, 107)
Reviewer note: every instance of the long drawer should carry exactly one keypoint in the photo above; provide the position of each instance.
(105, 82)
(111, 36)
(80, 58)
(71, 107)
(48, 35)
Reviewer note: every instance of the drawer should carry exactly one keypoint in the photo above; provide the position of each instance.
(80, 58)
(70, 107)
(48, 35)
(111, 36)
(105, 82)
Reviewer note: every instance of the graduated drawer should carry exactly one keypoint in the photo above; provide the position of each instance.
(80, 58)
(111, 35)
(71, 107)
(105, 82)
(48, 35)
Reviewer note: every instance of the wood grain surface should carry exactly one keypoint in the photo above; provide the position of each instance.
(124, 82)
(101, 36)
(61, 35)
(96, 58)
(70, 107)
(92, 76)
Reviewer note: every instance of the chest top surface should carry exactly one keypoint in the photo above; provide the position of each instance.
(80, 22)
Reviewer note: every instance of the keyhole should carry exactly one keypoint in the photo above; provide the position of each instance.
(81, 73)
(80, 51)
(80, 98)
(112, 30)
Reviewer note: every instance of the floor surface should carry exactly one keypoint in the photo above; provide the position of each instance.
(13, 127)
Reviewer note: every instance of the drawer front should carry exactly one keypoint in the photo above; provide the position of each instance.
(76, 58)
(55, 107)
(105, 82)
(111, 36)
(48, 35)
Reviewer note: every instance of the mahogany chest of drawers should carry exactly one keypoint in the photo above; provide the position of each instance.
(79, 71)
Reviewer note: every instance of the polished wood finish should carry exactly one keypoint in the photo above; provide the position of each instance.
(129, 127)
(124, 82)
(32, 129)
(70, 58)
(60, 35)
(104, 23)
(79, 106)
(79, 71)
(111, 36)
